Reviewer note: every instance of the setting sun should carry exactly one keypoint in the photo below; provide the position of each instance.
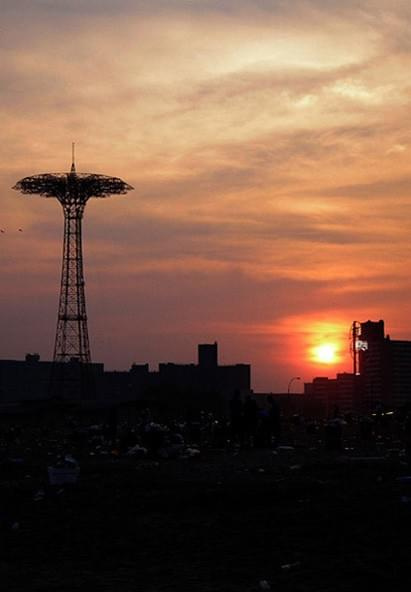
(325, 353)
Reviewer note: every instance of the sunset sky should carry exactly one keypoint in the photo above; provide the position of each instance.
(269, 146)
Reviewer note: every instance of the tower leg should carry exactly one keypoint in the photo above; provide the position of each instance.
(72, 376)
(72, 340)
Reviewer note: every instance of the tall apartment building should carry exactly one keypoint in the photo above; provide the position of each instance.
(385, 368)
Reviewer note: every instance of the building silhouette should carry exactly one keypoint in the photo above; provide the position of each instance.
(208, 355)
(28, 380)
(324, 396)
(385, 368)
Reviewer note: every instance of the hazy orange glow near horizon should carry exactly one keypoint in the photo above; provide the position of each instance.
(269, 147)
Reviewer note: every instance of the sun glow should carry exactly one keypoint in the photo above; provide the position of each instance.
(325, 353)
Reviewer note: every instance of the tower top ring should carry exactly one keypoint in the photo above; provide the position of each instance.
(67, 187)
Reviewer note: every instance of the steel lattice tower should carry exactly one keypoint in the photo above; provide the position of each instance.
(72, 190)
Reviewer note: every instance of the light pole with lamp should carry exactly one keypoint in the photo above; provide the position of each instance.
(289, 390)
(290, 383)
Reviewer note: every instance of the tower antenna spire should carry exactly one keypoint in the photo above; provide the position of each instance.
(73, 163)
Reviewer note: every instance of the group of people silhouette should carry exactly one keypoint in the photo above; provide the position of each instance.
(252, 426)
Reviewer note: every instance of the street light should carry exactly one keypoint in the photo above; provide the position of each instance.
(290, 383)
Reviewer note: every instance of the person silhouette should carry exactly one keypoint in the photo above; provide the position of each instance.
(274, 421)
(250, 413)
(236, 417)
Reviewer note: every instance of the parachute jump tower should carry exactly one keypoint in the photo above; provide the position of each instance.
(72, 190)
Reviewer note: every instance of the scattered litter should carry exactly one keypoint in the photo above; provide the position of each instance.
(367, 459)
(405, 479)
(192, 452)
(138, 451)
(65, 471)
(288, 566)
(171, 451)
(285, 448)
(39, 495)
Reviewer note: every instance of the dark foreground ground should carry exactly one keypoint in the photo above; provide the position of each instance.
(300, 520)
